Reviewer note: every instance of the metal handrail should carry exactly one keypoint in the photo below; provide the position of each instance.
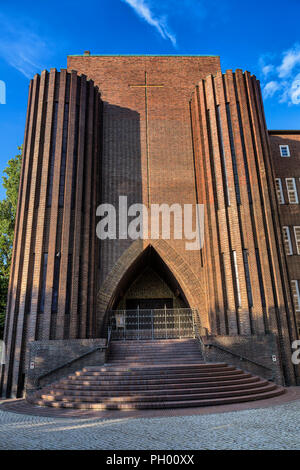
(198, 335)
(222, 348)
(244, 358)
(108, 337)
(68, 363)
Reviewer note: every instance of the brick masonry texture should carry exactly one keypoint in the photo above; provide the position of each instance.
(45, 356)
(94, 132)
(289, 213)
(52, 284)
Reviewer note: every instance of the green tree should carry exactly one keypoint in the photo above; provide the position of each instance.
(8, 209)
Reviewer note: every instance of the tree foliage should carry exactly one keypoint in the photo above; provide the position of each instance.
(8, 209)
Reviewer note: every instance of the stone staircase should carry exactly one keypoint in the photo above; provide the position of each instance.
(155, 374)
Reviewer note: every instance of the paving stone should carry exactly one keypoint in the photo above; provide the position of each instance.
(275, 427)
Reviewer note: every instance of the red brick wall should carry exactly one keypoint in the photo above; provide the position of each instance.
(124, 159)
(288, 167)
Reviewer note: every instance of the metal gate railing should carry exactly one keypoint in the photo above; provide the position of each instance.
(152, 324)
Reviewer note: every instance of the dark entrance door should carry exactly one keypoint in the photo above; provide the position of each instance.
(148, 316)
(148, 304)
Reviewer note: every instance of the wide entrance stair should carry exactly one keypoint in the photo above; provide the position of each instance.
(155, 374)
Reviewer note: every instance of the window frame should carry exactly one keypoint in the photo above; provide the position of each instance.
(237, 280)
(287, 228)
(294, 190)
(296, 294)
(285, 147)
(279, 191)
(297, 240)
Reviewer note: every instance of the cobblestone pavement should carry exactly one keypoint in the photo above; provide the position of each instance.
(269, 428)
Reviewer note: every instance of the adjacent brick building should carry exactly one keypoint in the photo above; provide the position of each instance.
(157, 129)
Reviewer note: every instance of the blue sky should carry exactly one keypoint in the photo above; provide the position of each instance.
(260, 36)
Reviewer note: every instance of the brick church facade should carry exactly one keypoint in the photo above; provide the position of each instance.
(159, 130)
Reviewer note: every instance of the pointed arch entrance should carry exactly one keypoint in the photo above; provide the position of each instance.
(175, 282)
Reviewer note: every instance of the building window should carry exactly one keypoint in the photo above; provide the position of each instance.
(223, 158)
(63, 157)
(279, 191)
(43, 283)
(224, 281)
(237, 280)
(52, 154)
(248, 280)
(244, 153)
(233, 155)
(292, 190)
(260, 278)
(287, 240)
(297, 238)
(28, 297)
(212, 157)
(296, 295)
(284, 150)
(75, 157)
(55, 283)
(69, 284)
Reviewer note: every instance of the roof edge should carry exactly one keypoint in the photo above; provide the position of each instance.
(284, 131)
(143, 55)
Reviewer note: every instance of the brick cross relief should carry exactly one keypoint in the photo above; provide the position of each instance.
(147, 85)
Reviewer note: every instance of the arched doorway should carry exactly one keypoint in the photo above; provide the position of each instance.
(146, 298)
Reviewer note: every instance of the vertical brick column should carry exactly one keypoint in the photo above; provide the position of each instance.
(232, 142)
(222, 205)
(18, 252)
(58, 195)
(233, 212)
(247, 227)
(205, 182)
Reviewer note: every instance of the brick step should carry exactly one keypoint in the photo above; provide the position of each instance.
(148, 376)
(180, 372)
(141, 381)
(215, 382)
(155, 374)
(139, 378)
(155, 351)
(177, 367)
(149, 362)
(164, 404)
(148, 372)
(156, 397)
(142, 375)
(153, 356)
(143, 351)
(153, 342)
(151, 347)
(84, 391)
(234, 381)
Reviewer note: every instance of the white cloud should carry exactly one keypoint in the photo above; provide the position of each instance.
(291, 59)
(267, 69)
(145, 11)
(270, 89)
(21, 47)
(295, 90)
(282, 79)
